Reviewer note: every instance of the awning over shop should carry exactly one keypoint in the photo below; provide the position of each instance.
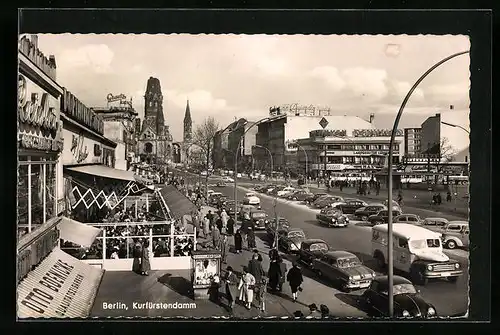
(61, 286)
(104, 171)
(77, 232)
(177, 202)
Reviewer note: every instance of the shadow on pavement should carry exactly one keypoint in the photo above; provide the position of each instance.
(357, 302)
(363, 224)
(178, 284)
(289, 298)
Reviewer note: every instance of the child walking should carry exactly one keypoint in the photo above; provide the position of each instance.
(263, 294)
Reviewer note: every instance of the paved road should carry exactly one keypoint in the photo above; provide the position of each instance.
(448, 298)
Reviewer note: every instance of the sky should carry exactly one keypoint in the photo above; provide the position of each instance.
(232, 76)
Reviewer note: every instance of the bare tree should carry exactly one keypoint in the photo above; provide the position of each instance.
(446, 153)
(203, 137)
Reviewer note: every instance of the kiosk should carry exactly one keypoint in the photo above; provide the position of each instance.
(205, 266)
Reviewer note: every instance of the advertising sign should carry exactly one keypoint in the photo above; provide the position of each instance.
(60, 287)
(75, 109)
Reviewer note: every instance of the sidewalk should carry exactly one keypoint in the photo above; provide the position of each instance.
(282, 305)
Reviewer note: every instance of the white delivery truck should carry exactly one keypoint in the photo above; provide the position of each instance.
(417, 251)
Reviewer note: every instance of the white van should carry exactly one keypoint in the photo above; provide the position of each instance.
(417, 251)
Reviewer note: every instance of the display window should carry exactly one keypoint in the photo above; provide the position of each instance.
(36, 192)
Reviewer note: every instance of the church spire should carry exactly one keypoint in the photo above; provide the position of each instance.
(188, 124)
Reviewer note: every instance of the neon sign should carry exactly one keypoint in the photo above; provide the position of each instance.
(35, 111)
(110, 97)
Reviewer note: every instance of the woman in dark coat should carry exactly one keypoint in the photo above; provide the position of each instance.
(137, 252)
(295, 279)
(274, 274)
(230, 226)
(238, 241)
(145, 264)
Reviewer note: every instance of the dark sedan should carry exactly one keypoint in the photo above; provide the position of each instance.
(299, 195)
(344, 269)
(312, 249)
(259, 218)
(382, 217)
(407, 300)
(229, 207)
(313, 197)
(327, 201)
(351, 205)
(332, 218)
(364, 212)
(290, 239)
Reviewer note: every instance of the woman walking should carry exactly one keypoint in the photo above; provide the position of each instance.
(137, 252)
(206, 226)
(274, 274)
(295, 279)
(238, 241)
(145, 264)
(246, 287)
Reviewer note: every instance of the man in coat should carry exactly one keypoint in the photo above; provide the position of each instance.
(255, 268)
(295, 279)
(224, 247)
(230, 282)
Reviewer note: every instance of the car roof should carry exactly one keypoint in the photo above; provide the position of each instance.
(336, 254)
(312, 241)
(459, 222)
(376, 204)
(437, 219)
(295, 230)
(397, 280)
(408, 231)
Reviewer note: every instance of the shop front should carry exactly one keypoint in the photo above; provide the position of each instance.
(40, 142)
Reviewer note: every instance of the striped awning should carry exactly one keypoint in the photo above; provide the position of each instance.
(60, 286)
(77, 232)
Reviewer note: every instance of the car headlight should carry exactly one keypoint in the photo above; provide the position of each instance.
(457, 266)
(431, 311)
(406, 313)
(429, 267)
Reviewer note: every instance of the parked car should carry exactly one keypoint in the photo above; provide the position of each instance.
(228, 179)
(260, 219)
(327, 201)
(252, 199)
(407, 218)
(382, 217)
(351, 205)
(299, 195)
(285, 192)
(269, 188)
(407, 300)
(312, 198)
(364, 212)
(455, 234)
(312, 249)
(332, 217)
(229, 207)
(434, 224)
(220, 183)
(395, 205)
(290, 239)
(275, 190)
(344, 269)
(213, 198)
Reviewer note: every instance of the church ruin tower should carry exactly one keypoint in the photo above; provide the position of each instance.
(153, 106)
(188, 125)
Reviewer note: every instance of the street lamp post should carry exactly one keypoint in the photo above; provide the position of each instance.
(455, 126)
(307, 160)
(236, 166)
(390, 256)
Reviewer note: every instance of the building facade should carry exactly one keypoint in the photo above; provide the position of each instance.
(154, 141)
(327, 151)
(283, 129)
(119, 126)
(412, 141)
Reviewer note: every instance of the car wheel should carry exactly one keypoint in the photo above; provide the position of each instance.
(450, 244)
(344, 287)
(452, 279)
(295, 199)
(364, 218)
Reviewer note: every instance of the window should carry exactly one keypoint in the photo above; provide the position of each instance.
(412, 219)
(36, 193)
(454, 227)
(402, 219)
(402, 243)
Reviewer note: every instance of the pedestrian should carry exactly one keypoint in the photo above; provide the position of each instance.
(247, 287)
(137, 252)
(314, 313)
(251, 238)
(145, 264)
(274, 274)
(238, 241)
(230, 282)
(196, 222)
(224, 218)
(219, 223)
(325, 311)
(216, 238)
(255, 267)
(283, 270)
(213, 290)
(210, 217)
(273, 254)
(224, 247)
(230, 226)
(206, 226)
(448, 196)
(294, 278)
(262, 293)
(439, 199)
